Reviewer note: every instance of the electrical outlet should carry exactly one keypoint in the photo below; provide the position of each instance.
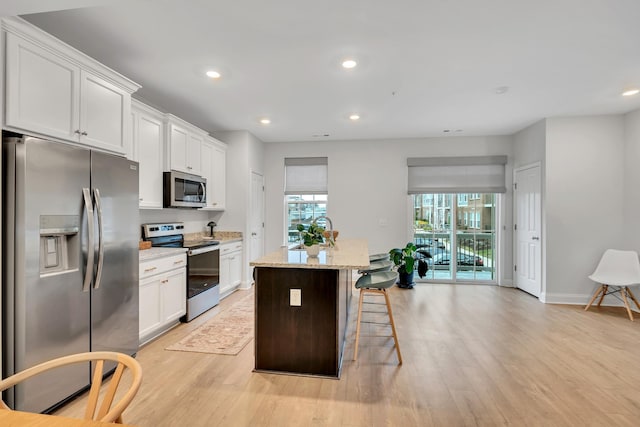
(295, 297)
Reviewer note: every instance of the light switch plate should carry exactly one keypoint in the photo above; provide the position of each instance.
(295, 297)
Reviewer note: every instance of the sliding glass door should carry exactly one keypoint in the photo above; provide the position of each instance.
(456, 234)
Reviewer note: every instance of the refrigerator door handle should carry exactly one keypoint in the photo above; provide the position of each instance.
(88, 205)
(96, 284)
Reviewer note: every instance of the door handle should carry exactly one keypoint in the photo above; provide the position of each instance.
(254, 234)
(535, 238)
(96, 284)
(204, 193)
(88, 205)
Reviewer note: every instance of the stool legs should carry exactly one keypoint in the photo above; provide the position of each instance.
(355, 353)
(389, 312)
(393, 325)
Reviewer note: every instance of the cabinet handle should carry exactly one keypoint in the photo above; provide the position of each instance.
(178, 262)
(84, 133)
(77, 131)
(164, 281)
(150, 269)
(141, 199)
(189, 167)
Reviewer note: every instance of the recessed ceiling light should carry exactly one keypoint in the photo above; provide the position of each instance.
(630, 92)
(500, 90)
(265, 121)
(354, 117)
(349, 63)
(213, 74)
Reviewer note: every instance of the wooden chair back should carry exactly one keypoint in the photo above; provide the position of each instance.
(107, 410)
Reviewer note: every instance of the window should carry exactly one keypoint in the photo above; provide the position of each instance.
(303, 209)
(305, 193)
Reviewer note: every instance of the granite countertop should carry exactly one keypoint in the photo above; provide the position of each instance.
(221, 236)
(350, 254)
(153, 253)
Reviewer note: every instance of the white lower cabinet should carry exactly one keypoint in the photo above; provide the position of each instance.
(230, 267)
(162, 294)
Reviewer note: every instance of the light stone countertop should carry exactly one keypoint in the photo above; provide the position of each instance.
(350, 254)
(153, 253)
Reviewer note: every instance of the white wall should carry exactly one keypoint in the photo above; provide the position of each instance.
(632, 181)
(368, 185)
(245, 154)
(195, 221)
(584, 201)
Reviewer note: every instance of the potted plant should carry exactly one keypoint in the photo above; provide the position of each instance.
(406, 262)
(311, 238)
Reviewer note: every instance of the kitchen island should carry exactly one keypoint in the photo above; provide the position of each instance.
(302, 307)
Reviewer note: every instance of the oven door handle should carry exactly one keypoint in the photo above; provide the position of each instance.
(199, 251)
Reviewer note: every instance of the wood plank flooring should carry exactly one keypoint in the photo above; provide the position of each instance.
(473, 356)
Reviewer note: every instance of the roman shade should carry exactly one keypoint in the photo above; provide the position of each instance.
(481, 174)
(305, 175)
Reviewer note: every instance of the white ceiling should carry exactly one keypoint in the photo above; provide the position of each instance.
(424, 65)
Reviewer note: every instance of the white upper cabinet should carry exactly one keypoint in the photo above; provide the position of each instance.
(184, 145)
(214, 157)
(148, 142)
(52, 90)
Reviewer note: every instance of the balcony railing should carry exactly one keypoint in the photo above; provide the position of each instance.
(474, 253)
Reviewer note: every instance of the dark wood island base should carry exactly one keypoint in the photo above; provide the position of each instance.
(302, 308)
(307, 339)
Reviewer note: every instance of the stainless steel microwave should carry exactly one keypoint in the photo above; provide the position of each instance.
(183, 190)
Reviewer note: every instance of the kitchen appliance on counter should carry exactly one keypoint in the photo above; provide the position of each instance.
(203, 265)
(183, 190)
(70, 263)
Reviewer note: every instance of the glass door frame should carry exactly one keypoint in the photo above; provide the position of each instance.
(498, 213)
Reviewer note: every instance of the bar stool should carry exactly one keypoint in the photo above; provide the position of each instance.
(375, 266)
(376, 283)
(379, 257)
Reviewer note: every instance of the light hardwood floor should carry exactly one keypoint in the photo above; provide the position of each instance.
(473, 355)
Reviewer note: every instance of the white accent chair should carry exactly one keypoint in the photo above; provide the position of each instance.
(616, 272)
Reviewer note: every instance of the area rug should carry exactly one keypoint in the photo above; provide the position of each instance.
(227, 333)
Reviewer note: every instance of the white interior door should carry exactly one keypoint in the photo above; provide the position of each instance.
(256, 240)
(528, 230)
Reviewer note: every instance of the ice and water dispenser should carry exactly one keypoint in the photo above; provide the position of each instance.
(59, 240)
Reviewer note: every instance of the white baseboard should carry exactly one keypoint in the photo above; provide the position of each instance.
(507, 283)
(246, 285)
(583, 299)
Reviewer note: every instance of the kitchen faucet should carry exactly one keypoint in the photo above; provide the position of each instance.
(332, 241)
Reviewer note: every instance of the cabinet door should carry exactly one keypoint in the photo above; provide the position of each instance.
(150, 306)
(105, 110)
(42, 91)
(174, 294)
(148, 141)
(207, 171)
(218, 179)
(178, 138)
(225, 273)
(194, 153)
(235, 268)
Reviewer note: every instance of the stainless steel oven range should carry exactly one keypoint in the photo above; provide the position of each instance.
(203, 265)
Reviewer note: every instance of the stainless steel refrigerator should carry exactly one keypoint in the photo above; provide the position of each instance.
(70, 262)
